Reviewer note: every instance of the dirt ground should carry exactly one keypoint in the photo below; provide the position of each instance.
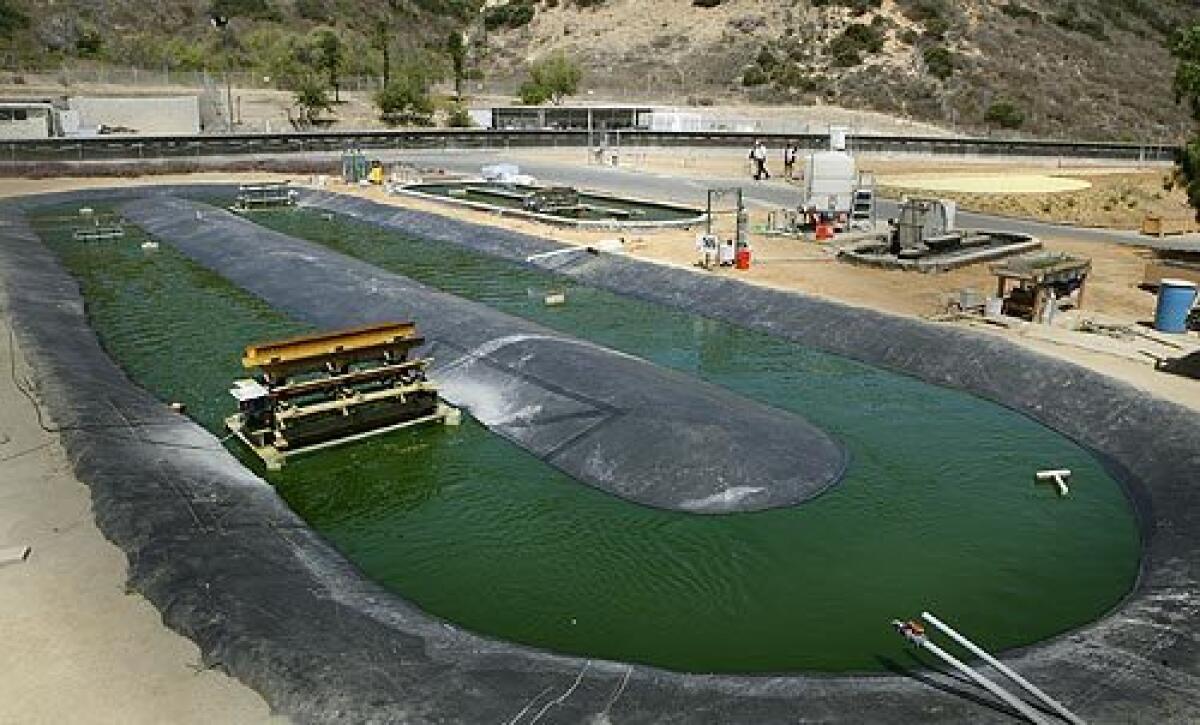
(78, 648)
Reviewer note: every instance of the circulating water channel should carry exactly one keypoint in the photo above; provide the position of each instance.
(938, 509)
(610, 420)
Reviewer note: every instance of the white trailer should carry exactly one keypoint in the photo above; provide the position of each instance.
(830, 180)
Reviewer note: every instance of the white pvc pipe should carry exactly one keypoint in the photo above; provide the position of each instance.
(604, 245)
(1003, 668)
(1011, 700)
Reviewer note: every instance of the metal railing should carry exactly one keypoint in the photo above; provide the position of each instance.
(126, 148)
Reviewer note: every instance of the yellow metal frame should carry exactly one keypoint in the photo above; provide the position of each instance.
(312, 352)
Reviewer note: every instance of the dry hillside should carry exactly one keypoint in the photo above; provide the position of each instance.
(1096, 69)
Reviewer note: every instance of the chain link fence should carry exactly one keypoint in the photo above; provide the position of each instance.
(102, 75)
(665, 87)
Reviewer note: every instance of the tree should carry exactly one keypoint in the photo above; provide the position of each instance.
(330, 58)
(311, 96)
(381, 40)
(1186, 48)
(405, 99)
(551, 79)
(381, 35)
(12, 19)
(456, 48)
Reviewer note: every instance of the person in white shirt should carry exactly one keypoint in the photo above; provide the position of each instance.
(758, 155)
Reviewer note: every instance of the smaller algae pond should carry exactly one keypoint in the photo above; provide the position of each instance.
(558, 205)
(938, 509)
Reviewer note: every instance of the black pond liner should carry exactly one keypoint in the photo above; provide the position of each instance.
(266, 599)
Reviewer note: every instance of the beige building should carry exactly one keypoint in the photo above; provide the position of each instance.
(26, 120)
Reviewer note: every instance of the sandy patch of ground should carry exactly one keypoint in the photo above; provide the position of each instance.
(1009, 183)
(76, 646)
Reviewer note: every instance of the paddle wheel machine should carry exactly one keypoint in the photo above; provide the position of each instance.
(328, 389)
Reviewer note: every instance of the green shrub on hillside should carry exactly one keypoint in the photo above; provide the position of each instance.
(754, 76)
(513, 14)
(1020, 12)
(939, 61)
(317, 10)
(1005, 114)
(856, 39)
(457, 116)
(252, 9)
(935, 16)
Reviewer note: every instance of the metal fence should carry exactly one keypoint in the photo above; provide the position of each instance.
(665, 87)
(165, 77)
(115, 148)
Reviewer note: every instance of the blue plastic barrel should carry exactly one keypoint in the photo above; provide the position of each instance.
(1175, 300)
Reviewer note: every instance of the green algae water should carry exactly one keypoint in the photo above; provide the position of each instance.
(938, 510)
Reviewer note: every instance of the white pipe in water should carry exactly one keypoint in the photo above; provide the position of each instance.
(604, 245)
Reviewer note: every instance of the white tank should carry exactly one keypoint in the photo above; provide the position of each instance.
(829, 181)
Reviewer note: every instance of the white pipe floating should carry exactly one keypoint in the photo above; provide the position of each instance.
(604, 245)
(1003, 668)
(1059, 477)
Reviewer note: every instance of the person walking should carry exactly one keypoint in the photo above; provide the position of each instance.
(758, 155)
(789, 160)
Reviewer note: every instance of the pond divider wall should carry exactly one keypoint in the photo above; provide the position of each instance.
(611, 420)
(267, 600)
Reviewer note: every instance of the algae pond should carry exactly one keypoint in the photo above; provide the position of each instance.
(938, 510)
(587, 208)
